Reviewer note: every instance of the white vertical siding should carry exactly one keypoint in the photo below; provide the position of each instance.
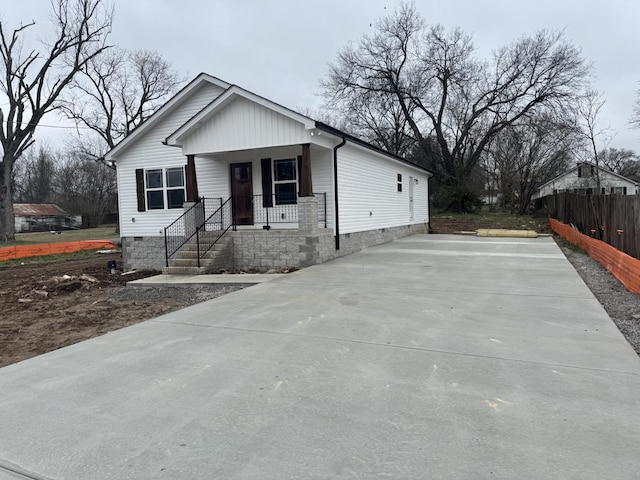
(149, 152)
(244, 125)
(368, 191)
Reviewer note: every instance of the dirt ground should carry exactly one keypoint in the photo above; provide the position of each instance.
(456, 223)
(47, 306)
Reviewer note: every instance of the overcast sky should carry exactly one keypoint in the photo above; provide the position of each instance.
(280, 48)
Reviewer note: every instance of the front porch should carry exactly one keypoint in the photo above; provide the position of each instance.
(247, 232)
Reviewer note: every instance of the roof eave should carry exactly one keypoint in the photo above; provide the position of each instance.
(164, 110)
(340, 134)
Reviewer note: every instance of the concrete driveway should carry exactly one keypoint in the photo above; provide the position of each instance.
(430, 357)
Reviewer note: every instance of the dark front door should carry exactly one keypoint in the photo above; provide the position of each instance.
(242, 192)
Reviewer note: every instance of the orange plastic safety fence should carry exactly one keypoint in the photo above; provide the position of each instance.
(26, 251)
(622, 266)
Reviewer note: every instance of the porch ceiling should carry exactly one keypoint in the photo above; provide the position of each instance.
(280, 151)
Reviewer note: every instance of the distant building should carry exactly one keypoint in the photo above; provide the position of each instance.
(38, 217)
(581, 179)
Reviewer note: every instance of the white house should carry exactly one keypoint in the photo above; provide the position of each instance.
(223, 178)
(582, 179)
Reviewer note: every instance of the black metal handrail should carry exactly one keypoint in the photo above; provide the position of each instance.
(179, 232)
(208, 228)
(278, 212)
(214, 227)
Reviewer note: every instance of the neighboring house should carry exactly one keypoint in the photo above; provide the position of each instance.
(30, 217)
(582, 179)
(270, 187)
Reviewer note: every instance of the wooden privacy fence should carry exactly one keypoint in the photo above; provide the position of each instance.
(622, 266)
(41, 250)
(614, 219)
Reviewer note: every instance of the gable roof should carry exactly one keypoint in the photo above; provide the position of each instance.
(230, 93)
(38, 210)
(164, 110)
(234, 91)
(224, 99)
(579, 164)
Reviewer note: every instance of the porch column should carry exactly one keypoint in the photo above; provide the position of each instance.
(191, 180)
(306, 185)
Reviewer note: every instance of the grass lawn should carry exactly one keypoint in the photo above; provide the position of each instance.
(103, 232)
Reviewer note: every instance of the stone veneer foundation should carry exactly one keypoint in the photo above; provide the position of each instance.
(268, 249)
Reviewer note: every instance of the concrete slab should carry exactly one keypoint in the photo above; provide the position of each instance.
(220, 279)
(430, 357)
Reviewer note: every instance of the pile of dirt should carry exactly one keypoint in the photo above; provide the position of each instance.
(47, 306)
(450, 224)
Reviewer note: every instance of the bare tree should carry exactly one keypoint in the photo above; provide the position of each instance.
(113, 94)
(528, 154)
(86, 188)
(444, 92)
(31, 83)
(35, 174)
(588, 109)
(634, 121)
(622, 161)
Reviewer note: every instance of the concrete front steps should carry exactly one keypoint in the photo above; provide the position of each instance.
(218, 258)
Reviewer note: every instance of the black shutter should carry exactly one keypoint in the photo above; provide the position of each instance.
(267, 191)
(140, 189)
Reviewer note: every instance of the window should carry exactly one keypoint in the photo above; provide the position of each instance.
(155, 193)
(587, 173)
(285, 181)
(175, 187)
(161, 183)
(400, 182)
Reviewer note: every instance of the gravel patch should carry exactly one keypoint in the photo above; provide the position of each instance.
(187, 295)
(622, 306)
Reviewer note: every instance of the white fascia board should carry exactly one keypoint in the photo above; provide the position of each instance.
(336, 139)
(163, 111)
(208, 112)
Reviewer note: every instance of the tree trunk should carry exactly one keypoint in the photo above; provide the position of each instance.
(7, 225)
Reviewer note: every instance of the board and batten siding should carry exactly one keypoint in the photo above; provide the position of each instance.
(147, 152)
(368, 191)
(243, 125)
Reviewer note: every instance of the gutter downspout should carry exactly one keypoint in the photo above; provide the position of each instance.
(335, 190)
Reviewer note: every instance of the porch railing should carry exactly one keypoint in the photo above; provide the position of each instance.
(206, 221)
(209, 219)
(214, 227)
(279, 212)
(180, 231)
